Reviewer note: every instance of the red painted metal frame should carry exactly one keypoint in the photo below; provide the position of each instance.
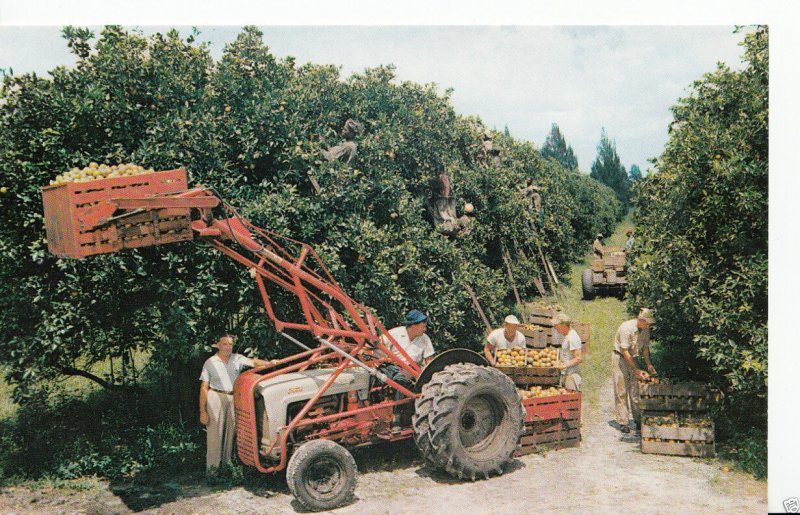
(352, 328)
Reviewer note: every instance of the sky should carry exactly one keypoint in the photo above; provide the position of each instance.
(618, 64)
(584, 78)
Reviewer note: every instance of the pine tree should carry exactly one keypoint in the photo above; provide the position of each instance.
(635, 174)
(555, 146)
(608, 169)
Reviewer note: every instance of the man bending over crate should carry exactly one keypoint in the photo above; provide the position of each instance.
(632, 339)
(504, 338)
(569, 357)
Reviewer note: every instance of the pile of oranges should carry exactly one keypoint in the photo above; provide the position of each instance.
(99, 171)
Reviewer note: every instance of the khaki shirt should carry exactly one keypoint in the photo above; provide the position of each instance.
(630, 338)
(597, 247)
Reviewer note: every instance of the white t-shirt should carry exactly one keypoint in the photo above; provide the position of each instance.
(418, 349)
(569, 343)
(221, 375)
(497, 339)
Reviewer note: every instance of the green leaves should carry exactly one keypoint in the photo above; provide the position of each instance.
(252, 125)
(701, 251)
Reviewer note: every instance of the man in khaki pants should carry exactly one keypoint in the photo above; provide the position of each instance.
(631, 340)
(216, 399)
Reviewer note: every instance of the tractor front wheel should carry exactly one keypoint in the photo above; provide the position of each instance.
(321, 475)
(468, 421)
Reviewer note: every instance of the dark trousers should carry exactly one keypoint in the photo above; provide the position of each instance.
(401, 377)
(397, 375)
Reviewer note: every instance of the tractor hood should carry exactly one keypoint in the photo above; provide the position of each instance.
(278, 392)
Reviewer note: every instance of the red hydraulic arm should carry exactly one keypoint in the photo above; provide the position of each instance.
(345, 330)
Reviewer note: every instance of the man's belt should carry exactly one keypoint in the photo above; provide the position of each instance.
(221, 391)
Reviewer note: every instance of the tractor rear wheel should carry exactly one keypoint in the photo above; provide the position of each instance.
(469, 419)
(587, 285)
(321, 475)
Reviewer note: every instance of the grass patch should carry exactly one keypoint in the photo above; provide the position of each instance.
(603, 314)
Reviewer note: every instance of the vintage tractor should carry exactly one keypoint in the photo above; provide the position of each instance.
(303, 412)
(607, 275)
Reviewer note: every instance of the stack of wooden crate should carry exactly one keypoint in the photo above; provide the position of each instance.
(676, 419)
(543, 334)
(551, 423)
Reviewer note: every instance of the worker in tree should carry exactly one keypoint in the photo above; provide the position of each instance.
(597, 247)
(505, 337)
(531, 192)
(346, 149)
(631, 341)
(216, 399)
(413, 340)
(629, 243)
(570, 354)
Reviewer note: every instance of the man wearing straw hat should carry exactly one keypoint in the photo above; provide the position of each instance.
(569, 356)
(216, 399)
(631, 341)
(505, 337)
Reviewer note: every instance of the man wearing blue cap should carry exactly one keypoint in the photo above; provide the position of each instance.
(412, 338)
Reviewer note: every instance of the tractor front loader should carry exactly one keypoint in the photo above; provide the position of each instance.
(303, 412)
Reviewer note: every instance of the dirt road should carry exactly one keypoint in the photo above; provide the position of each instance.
(606, 474)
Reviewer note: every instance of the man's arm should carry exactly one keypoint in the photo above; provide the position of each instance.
(203, 401)
(641, 374)
(577, 357)
(264, 362)
(487, 351)
(646, 354)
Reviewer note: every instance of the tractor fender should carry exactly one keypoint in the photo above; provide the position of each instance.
(446, 358)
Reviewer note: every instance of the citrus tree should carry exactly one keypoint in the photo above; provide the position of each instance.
(252, 126)
(701, 251)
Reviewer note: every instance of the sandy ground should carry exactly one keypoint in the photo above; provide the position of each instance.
(606, 474)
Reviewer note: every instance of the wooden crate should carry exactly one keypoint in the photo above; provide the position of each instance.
(64, 205)
(544, 376)
(541, 320)
(551, 423)
(693, 397)
(584, 331)
(539, 338)
(541, 314)
(566, 407)
(698, 449)
(549, 435)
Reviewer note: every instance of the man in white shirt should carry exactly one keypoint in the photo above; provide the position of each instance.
(413, 340)
(216, 399)
(569, 356)
(504, 338)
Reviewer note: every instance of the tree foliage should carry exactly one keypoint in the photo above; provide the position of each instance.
(252, 125)
(607, 169)
(555, 146)
(701, 253)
